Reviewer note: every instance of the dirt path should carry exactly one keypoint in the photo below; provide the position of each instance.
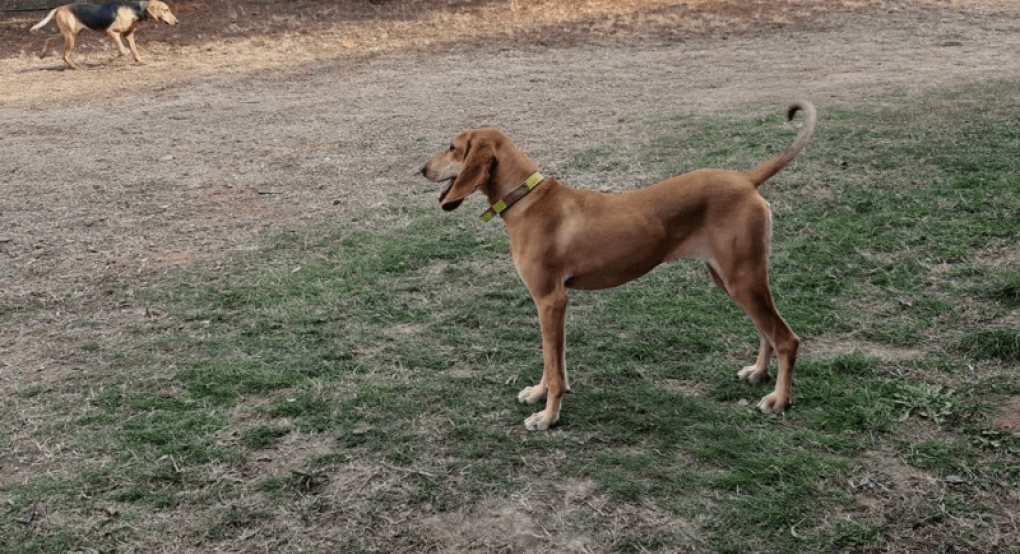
(118, 173)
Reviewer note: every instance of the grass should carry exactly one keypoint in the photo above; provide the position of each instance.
(353, 385)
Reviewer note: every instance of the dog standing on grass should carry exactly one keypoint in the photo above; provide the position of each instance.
(114, 18)
(562, 237)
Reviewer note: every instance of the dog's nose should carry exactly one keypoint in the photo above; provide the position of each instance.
(425, 170)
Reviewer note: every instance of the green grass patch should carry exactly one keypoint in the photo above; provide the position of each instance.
(1000, 344)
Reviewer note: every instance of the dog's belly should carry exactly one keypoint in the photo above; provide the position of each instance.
(693, 247)
(596, 281)
(618, 251)
(612, 270)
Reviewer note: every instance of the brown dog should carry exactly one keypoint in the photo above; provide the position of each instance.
(562, 237)
(113, 18)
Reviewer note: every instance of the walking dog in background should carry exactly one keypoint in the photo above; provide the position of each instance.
(114, 18)
(562, 238)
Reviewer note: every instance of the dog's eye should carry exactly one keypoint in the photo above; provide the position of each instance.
(452, 148)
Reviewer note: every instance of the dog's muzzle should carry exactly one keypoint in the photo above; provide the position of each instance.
(450, 206)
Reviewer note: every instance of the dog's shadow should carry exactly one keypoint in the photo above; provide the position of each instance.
(83, 66)
(52, 68)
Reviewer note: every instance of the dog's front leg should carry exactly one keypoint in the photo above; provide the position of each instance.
(552, 308)
(130, 36)
(115, 38)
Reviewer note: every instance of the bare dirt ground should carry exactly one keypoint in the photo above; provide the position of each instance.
(257, 116)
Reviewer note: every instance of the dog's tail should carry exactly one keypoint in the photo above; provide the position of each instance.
(771, 166)
(45, 20)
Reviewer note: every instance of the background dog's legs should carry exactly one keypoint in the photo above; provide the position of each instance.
(552, 310)
(46, 46)
(115, 37)
(134, 48)
(70, 38)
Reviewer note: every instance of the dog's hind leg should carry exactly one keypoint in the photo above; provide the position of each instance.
(46, 46)
(760, 369)
(756, 301)
(70, 38)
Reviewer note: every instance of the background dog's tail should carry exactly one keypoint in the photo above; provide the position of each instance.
(771, 166)
(45, 20)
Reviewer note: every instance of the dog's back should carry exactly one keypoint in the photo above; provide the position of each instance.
(100, 18)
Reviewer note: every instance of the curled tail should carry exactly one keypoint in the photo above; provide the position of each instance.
(45, 20)
(766, 169)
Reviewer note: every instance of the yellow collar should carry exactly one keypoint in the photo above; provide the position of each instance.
(514, 196)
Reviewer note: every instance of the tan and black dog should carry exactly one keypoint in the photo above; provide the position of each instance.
(566, 238)
(114, 19)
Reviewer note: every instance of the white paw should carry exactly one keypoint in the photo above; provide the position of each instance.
(751, 374)
(530, 395)
(538, 422)
(772, 403)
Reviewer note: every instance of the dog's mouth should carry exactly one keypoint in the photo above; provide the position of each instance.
(448, 206)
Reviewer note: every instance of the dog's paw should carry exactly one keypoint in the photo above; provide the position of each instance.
(539, 422)
(773, 403)
(752, 374)
(530, 395)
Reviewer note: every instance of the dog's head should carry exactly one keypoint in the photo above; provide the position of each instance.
(158, 11)
(468, 164)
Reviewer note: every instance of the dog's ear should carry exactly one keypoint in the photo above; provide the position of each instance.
(154, 9)
(478, 160)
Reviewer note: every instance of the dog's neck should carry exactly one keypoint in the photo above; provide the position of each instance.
(511, 198)
(513, 177)
(510, 168)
